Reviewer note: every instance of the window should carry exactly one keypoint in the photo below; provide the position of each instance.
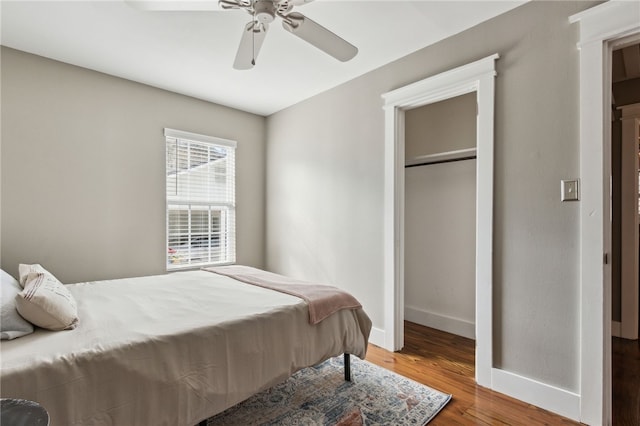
(200, 200)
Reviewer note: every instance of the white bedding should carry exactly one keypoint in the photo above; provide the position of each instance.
(170, 350)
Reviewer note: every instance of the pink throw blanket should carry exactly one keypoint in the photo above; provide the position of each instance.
(323, 300)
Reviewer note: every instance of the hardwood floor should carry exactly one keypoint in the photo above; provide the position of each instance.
(445, 362)
(626, 381)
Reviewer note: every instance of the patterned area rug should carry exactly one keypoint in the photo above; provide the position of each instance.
(320, 396)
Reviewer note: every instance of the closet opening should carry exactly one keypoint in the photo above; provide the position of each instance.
(476, 78)
(440, 215)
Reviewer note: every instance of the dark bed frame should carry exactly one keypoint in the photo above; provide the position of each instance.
(347, 377)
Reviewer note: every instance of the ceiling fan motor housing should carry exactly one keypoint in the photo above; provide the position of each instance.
(265, 11)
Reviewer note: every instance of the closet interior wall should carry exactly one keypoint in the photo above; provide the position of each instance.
(440, 208)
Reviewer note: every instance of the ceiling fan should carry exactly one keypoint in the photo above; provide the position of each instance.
(264, 12)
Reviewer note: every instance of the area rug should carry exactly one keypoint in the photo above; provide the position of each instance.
(320, 396)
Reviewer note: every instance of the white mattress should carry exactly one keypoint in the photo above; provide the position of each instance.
(170, 350)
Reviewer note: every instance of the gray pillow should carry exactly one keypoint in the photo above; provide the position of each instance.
(12, 325)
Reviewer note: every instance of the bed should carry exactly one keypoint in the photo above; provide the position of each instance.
(171, 349)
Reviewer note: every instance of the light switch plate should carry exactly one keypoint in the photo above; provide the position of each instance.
(569, 190)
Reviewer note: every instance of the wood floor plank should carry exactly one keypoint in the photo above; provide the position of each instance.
(626, 381)
(446, 362)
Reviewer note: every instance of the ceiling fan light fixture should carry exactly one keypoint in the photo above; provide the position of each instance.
(264, 11)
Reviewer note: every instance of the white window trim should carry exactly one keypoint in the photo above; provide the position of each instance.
(179, 134)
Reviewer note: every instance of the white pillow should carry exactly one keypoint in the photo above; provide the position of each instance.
(45, 301)
(12, 325)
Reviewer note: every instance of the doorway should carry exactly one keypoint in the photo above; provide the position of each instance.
(600, 28)
(625, 138)
(625, 89)
(476, 77)
(440, 200)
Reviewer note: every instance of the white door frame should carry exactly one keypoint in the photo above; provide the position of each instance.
(599, 26)
(474, 77)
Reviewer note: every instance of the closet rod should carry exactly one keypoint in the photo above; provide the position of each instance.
(441, 157)
(449, 160)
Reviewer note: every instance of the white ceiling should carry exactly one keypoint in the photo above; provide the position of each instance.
(192, 52)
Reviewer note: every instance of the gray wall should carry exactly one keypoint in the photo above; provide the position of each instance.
(626, 92)
(440, 205)
(448, 125)
(325, 184)
(83, 170)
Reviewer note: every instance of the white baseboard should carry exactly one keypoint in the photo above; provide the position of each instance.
(616, 328)
(440, 322)
(541, 395)
(377, 337)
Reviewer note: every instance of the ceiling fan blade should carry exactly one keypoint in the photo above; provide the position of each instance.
(314, 33)
(250, 44)
(234, 4)
(173, 5)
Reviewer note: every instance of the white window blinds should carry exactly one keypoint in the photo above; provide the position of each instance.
(200, 200)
